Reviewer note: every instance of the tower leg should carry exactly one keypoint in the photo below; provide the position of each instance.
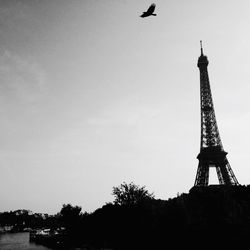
(202, 175)
(219, 174)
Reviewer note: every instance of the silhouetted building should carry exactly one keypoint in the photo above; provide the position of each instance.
(211, 153)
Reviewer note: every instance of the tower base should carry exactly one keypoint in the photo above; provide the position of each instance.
(214, 157)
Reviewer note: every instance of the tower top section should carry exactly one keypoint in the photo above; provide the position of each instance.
(201, 48)
(202, 61)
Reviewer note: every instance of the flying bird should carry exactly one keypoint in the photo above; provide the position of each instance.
(150, 11)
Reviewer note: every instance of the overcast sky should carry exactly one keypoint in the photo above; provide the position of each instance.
(92, 95)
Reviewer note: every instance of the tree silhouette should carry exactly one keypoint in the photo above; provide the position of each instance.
(131, 194)
(70, 216)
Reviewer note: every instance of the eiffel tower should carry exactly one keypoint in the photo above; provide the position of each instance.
(211, 153)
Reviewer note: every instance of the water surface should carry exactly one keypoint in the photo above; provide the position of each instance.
(18, 241)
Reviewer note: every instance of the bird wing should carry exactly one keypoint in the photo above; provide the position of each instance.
(151, 8)
(144, 14)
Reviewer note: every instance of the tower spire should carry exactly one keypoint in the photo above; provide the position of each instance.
(201, 47)
(211, 153)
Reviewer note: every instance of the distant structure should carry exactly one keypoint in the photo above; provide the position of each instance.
(211, 153)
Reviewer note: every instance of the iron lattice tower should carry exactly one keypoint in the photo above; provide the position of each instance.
(211, 153)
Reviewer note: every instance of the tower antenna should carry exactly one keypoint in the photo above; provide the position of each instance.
(201, 47)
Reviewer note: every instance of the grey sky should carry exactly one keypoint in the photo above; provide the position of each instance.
(91, 95)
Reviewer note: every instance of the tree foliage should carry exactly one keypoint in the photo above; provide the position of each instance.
(70, 215)
(70, 211)
(131, 194)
